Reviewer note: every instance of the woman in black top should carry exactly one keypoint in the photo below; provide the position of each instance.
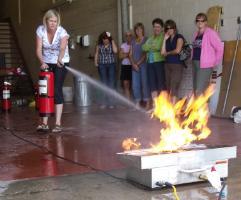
(172, 45)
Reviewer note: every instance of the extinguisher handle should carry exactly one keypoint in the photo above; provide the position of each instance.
(45, 70)
(6, 83)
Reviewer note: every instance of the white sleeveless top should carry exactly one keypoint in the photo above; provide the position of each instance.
(51, 51)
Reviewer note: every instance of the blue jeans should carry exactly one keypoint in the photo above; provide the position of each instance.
(140, 87)
(107, 74)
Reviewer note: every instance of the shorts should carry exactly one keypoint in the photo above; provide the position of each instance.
(126, 73)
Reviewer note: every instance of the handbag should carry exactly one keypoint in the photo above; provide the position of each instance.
(186, 51)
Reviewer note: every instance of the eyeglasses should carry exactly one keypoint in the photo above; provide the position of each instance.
(200, 20)
(167, 28)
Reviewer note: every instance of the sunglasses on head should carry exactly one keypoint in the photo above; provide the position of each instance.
(200, 20)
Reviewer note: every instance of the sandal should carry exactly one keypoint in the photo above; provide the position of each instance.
(42, 127)
(57, 129)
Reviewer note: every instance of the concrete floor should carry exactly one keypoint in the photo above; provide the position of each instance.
(32, 164)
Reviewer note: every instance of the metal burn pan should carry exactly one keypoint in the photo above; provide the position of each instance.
(181, 167)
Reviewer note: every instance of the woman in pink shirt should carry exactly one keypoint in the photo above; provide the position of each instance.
(207, 53)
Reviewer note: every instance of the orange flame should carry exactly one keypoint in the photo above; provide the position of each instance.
(130, 143)
(184, 122)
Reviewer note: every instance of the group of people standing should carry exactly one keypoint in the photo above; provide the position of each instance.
(151, 65)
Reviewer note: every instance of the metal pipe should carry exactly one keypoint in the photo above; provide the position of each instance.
(119, 18)
(124, 15)
(19, 12)
(232, 68)
(130, 15)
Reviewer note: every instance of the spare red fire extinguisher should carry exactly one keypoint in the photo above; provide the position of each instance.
(46, 93)
(6, 101)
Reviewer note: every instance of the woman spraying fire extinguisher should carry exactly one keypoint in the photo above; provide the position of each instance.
(52, 52)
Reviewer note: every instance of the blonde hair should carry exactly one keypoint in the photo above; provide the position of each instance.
(49, 14)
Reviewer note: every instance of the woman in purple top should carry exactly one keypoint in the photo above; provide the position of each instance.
(207, 54)
(172, 45)
(141, 90)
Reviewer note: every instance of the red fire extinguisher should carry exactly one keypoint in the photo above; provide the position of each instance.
(46, 93)
(6, 102)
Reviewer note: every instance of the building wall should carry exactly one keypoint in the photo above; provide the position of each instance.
(25, 29)
(78, 18)
(89, 17)
(184, 12)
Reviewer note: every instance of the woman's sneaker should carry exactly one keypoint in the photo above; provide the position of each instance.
(57, 129)
(42, 128)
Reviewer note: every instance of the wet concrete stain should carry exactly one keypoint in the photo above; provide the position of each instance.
(92, 138)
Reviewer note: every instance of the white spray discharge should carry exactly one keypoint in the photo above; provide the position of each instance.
(104, 88)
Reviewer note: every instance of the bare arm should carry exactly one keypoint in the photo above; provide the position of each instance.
(130, 55)
(114, 47)
(142, 59)
(39, 48)
(96, 55)
(163, 49)
(178, 49)
(63, 45)
(134, 65)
